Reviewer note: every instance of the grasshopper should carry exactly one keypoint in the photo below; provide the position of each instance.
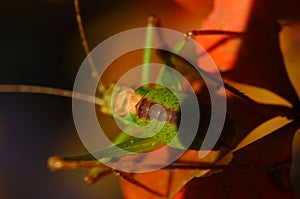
(149, 104)
(145, 96)
(153, 102)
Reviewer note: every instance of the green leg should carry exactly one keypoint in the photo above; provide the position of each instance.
(166, 76)
(130, 147)
(147, 58)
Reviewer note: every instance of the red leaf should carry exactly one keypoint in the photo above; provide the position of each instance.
(255, 59)
(260, 170)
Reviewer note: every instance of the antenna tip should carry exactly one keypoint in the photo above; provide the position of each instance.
(94, 74)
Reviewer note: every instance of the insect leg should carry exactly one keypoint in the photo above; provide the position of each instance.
(147, 57)
(129, 177)
(217, 32)
(166, 76)
(132, 146)
(95, 174)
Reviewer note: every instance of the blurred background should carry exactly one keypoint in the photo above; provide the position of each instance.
(40, 45)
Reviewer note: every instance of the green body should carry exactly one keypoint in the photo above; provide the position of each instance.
(153, 94)
(166, 130)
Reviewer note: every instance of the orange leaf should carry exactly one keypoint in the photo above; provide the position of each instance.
(255, 59)
(260, 170)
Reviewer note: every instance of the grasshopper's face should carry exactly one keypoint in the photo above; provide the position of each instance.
(120, 101)
(158, 104)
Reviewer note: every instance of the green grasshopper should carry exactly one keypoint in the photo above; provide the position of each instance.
(149, 104)
(166, 112)
(141, 100)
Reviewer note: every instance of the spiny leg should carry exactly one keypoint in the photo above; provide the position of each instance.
(98, 171)
(217, 32)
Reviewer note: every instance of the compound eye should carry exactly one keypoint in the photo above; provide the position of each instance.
(157, 112)
(121, 102)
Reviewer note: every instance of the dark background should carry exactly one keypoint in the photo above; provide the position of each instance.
(36, 40)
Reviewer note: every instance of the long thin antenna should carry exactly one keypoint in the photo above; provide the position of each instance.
(84, 40)
(49, 91)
